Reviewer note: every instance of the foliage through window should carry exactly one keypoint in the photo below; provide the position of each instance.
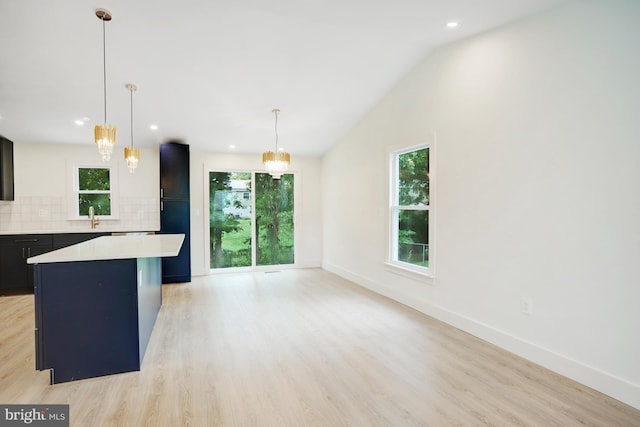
(94, 188)
(245, 232)
(410, 207)
(274, 219)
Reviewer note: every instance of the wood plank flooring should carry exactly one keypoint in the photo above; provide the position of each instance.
(302, 348)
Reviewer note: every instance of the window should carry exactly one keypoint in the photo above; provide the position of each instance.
(94, 186)
(251, 219)
(230, 219)
(409, 208)
(274, 219)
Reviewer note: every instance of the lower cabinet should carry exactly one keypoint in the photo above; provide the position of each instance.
(16, 276)
(64, 240)
(174, 218)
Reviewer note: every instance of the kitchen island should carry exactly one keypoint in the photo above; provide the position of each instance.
(96, 303)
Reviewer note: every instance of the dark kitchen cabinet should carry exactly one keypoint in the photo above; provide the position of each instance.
(174, 171)
(63, 240)
(16, 276)
(6, 169)
(172, 219)
(175, 208)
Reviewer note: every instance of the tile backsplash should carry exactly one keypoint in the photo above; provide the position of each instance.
(49, 214)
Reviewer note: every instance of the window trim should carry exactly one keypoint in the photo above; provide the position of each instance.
(74, 209)
(394, 207)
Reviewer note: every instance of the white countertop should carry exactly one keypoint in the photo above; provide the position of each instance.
(115, 247)
(77, 231)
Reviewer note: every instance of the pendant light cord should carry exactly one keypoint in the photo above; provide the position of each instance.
(276, 128)
(104, 70)
(131, 90)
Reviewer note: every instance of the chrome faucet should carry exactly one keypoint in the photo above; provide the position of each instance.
(93, 218)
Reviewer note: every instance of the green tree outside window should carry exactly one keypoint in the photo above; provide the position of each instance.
(274, 219)
(94, 186)
(411, 207)
(232, 233)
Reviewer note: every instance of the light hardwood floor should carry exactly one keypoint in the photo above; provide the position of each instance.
(302, 348)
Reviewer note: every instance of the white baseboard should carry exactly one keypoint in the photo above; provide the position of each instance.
(302, 264)
(306, 263)
(601, 381)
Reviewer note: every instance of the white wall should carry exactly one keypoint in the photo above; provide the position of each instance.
(308, 244)
(42, 186)
(538, 190)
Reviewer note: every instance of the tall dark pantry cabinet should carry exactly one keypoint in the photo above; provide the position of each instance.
(175, 208)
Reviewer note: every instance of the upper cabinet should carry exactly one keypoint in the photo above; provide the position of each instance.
(174, 171)
(6, 169)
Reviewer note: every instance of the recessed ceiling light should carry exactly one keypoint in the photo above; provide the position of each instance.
(281, 149)
(153, 127)
(452, 24)
(79, 122)
(232, 146)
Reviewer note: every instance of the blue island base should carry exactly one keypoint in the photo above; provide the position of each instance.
(95, 318)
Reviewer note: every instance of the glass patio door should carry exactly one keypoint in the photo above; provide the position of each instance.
(251, 219)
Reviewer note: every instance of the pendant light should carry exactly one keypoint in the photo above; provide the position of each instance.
(131, 154)
(276, 162)
(105, 135)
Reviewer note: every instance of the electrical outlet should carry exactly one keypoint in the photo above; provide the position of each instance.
(526, 305)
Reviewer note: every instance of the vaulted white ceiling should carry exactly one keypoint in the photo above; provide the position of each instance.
(209, 72)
